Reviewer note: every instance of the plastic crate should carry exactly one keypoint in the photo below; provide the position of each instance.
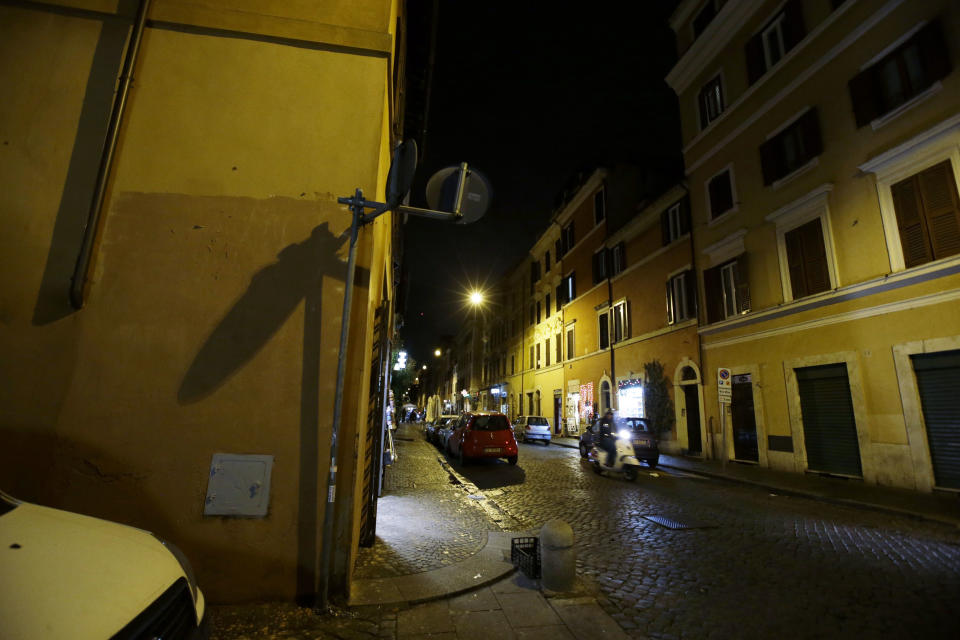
(525, 554)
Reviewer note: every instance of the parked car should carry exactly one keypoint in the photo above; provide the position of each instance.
(67, 575)
(526, 428)
(431, 428)
(644, 440)
(443, 431)
(483, 435)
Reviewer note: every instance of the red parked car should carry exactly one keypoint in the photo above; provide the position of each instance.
(483, 435)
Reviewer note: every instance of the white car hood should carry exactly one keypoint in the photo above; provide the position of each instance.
(74, 576)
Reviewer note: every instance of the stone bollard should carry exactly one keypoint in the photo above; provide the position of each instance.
(558, 562)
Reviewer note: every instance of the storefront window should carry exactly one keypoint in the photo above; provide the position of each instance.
(630, 398)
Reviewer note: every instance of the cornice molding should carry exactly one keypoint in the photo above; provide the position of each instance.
(711, 42)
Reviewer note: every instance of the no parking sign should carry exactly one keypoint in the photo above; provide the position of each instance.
(724, 386)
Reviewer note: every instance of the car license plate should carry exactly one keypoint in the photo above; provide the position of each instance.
(491, 449)
(639, 442)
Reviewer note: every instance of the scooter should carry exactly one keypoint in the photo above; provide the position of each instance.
(625, 460)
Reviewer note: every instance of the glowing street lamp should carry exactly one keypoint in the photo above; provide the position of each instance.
(476, 298)
(424, 367)
(437, 352)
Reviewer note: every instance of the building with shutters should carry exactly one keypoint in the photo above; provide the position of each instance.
(180, 375)
(821, 140)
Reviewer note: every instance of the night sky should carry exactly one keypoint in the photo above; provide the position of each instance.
(529, 94)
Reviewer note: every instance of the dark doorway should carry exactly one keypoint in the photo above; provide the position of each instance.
(557, 410)
(744, 419)
(692, 397)
(829, 428)
(937, 378)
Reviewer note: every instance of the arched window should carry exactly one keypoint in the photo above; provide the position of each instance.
(605, 400)
(688, 373)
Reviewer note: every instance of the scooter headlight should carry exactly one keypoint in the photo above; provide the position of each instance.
(624, 433)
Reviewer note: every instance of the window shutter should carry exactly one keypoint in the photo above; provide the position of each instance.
(933, 52)
(622, 257)
(665, 226)
(685, 215)
(768, 160)
(810, 130)
(713, 293)
(913, 232)
(798, 283)
(863, 95)
(742, 284)
(793, 24)
(815, 257)
(558, 249)
(670, 305)
(756, 64)
(702, 104)
(690, 286)
(938, 191)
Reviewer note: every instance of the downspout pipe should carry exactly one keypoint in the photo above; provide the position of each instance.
(82, 267)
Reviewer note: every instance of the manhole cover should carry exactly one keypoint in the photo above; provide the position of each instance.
(676, 524)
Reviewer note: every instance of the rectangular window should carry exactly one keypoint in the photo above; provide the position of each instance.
(710, 101)
(807, 259)
(720, 192)
(513, 364)
(792, 148)
(620, 322)
(571, 352)
(559, 297)
(727, 289)
(599, 207)
(558, 247)
(538, 312)
(546, 352)
(928, 215)
(546, 261)
(531, 357)
(600, 260)
(546, 306)
(538, 355)
(569, 285)
(618, 259)
(568, 238)
(558, 343)
(784, 31)
(675, 221)
(905, 72)
(681, 298)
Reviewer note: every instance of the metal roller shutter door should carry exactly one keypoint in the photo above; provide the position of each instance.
(938, 376)
(829, 428)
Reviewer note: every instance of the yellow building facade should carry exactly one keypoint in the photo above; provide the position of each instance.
(822, 150)
(211, 307)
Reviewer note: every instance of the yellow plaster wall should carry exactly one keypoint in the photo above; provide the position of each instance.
(220, 223)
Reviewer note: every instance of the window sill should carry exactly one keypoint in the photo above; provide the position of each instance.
(923, 96)
(796, 173)
(723, 216)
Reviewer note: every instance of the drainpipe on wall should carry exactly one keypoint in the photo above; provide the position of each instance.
(82, 267)
(614, 396)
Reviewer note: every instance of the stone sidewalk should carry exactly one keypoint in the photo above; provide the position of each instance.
(440, 569)
(938, 506)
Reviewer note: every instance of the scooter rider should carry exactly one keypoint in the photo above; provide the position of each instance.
(607, 441)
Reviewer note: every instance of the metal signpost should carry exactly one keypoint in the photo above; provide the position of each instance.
(724, 392)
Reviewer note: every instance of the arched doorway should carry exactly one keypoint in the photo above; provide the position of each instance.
(687, 388)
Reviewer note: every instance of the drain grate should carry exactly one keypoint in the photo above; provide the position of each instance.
(676, 524)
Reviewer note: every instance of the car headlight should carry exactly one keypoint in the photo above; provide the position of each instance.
(184, 564)
(624, 433)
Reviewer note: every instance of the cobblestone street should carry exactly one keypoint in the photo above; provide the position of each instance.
(753, 564)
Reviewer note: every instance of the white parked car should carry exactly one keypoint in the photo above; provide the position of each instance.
(64, 575)
(526, 428)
